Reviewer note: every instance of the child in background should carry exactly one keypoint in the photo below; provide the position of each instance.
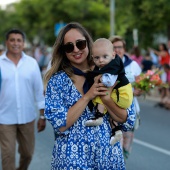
(136, 55)
(147, 63)
(111, 67)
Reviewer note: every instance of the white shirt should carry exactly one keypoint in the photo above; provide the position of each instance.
(21, 90)
(133, 70)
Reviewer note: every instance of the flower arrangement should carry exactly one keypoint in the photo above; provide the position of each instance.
(149, 80)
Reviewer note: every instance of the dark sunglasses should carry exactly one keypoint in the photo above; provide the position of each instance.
(69, 47)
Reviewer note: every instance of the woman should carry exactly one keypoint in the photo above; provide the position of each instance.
(132, 70)
(163, 54)
(68, 107)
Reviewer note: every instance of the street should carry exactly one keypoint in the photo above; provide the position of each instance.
(151, 147)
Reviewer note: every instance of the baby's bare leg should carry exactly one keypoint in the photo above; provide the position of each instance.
(100, 108)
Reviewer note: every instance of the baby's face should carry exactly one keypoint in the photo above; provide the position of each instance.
(102, 55)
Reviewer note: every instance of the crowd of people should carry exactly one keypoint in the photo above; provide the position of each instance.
(73, 102)
(163, 54)
(156, 59)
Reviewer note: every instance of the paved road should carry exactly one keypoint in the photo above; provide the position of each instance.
(151, 147)
(43, 149)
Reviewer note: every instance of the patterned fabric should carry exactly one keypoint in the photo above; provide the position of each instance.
(80, 147)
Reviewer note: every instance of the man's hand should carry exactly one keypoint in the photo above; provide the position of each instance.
(137, 92)
(41, 121)
(41, 124)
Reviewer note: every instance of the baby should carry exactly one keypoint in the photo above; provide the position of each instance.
(111, 67)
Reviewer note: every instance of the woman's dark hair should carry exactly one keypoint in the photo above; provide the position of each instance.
(164, 46)
(136, 51)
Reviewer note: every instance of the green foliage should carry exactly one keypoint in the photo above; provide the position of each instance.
(38, 17)
(149, 17)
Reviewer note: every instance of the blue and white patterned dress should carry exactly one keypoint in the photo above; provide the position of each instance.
(80, 147)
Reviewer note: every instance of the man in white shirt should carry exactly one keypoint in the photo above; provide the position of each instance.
(132, 70)
(21, 91)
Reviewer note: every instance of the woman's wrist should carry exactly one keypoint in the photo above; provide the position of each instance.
(85, 98)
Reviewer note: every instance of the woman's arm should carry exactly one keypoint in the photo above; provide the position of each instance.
(77, 109)
(159, 53)
(131, 117)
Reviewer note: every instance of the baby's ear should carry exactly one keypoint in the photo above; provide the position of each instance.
(114, 53)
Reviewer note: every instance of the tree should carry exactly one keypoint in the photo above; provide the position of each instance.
(38, 17)
(149, 17)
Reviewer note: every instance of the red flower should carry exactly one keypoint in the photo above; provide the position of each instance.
(149, 80)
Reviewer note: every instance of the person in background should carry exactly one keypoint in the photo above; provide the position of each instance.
(136, 55)
(154, 58)
(147, 63)
(37, 52)
(167, 102)
(1, 49)
(67, 107)
(163, 54)
(132, 70)
(21, 89)
(165, 91)
(168, 46)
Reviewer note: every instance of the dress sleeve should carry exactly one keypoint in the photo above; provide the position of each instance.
(131, 117)
(55, 103)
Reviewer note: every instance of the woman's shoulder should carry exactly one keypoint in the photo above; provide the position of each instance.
(60, 76)
(59, 80)
(133, 64)
(133, 67)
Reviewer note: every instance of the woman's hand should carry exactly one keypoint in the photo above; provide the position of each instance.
(106, 92)
(137, 92)
(97, 89)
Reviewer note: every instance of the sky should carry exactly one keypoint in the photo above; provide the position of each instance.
(3, 3)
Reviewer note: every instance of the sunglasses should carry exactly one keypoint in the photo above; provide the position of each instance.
(69, 47)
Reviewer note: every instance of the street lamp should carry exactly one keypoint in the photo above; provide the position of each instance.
(112, 14)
